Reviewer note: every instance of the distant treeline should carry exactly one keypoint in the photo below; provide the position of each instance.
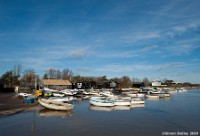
(13, 77)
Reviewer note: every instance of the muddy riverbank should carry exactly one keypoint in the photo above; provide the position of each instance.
(10, 104)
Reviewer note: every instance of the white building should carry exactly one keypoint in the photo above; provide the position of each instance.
(156, 83)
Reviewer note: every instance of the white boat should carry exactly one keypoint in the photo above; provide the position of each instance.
(131, 94)
(54, 105)
(86, 93)
(152, 96)
(107, 93)
(98, 98)
(122, 102)
(70, 92)
(58, 94)
(140, 95)
(24, 94)
(107, 101)
(96, 93)
(102, 103)
(137, 102)
(170, 90)
(135, 95)
(61, 99)
(50, 90)
(161, 94)
(180, 90)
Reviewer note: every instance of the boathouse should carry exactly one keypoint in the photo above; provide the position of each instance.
(107, 84)
(84, 85)
(57, 84)
(138, 84)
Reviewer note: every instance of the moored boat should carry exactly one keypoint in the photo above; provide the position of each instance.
(70, 92)
(62, 99)
(24, 94)
(122, 103)
(135, 95)
(137, 102)
(46, 89)
(54, 105)
(107, 93)
(29, 99)
(58, 94)
(103, 103)
(181, 90)
(152, 96)
(161, 94)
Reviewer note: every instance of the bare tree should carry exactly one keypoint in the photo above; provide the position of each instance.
(67, 74)
(135, 79)
(58, 74)
(17, 69)
(29, 76)
(145, 81)
(125, 81)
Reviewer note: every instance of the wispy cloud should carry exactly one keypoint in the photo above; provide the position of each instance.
(184, 46)
(80, 52)
(140, 36)
(183, 28)
(149, 48)
(116, 54)
(171, 65)
(84, 70)
(121, 38)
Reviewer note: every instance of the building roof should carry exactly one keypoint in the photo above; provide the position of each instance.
(56, 82)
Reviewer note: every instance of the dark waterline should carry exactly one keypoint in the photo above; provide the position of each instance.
(179, 113)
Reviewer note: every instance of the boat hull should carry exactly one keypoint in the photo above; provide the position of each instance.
(101, 103)
(152, 96)
(55, 105)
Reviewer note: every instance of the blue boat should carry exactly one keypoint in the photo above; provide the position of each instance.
(29, 99)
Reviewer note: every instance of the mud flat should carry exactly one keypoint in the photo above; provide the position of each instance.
(11, 104)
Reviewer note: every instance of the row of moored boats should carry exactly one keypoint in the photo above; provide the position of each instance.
(60, 100)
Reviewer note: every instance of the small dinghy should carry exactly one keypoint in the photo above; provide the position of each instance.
(152, 96)
(103, 103)
(54, 105)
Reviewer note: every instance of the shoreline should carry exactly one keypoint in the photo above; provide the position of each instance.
(11, 104)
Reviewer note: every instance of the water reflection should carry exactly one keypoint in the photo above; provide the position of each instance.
(179, 113)
(53, 113)
(122, 108)
(98, 108)
(137, 106)
(109, 109)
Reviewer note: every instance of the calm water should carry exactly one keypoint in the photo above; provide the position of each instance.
(179, 113)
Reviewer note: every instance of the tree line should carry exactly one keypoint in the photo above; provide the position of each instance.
(13, 77)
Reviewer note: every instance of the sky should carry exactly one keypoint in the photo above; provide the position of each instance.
(157, 39)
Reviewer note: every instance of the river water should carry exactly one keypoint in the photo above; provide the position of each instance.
(178, 115)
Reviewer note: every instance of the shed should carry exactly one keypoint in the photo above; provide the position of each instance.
(56, 84)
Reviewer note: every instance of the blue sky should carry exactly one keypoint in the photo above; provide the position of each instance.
(138, 38)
